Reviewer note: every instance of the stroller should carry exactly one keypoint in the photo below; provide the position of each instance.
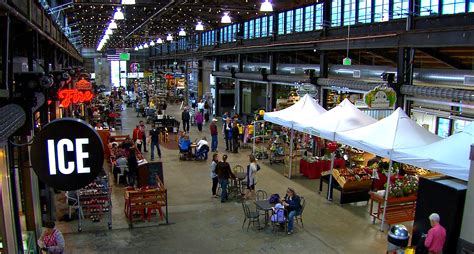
(277, 153)
(202, 153)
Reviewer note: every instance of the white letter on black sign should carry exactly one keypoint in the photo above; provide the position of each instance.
(51, 157)
(80, 156)
(61, 160)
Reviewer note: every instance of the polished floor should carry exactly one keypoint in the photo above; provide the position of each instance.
(201, 224)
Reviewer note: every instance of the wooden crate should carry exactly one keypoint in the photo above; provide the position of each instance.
(356, 185)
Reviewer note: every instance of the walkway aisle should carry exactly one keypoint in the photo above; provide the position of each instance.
(201, 224)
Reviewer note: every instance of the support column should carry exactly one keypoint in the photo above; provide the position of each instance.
(5, 89)
(327, 17)
(238, 97)
(323, 73)
(273, 63)
(269, 105)
(240, 63)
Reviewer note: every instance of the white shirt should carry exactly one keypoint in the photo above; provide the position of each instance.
(200, 105)
(201, 143)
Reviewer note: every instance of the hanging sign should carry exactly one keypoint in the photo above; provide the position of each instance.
(67, 154)
(381, 97)
(346, 61)
(134, 67)
(307, 88)
(83, 85)
(74, 96)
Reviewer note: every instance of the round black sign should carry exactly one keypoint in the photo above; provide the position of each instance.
(67, 154)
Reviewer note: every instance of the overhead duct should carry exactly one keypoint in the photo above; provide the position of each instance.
(437, 92)
(289, 78)
(350, 84)
(250, 76)
(12, 118)
(224, 74)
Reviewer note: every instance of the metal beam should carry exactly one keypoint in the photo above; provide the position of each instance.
(383, 54)
(444, 58)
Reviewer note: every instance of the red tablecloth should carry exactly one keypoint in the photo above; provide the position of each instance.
(313, 170)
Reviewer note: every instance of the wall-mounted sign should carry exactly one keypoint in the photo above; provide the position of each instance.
(68, 96)
(134, 67)
(381, 97)
(67, 154)
(83, 85)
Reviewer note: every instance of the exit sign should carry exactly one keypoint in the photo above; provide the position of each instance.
(124, 56)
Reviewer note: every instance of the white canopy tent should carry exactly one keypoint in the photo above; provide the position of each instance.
(449, 156)
(343, 117)
(291, 117)
(396, 131)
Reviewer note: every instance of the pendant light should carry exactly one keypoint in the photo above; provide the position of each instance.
(182, 32)
(199, 26)
(136, 48)
(146, 45)
(140, 47)
(106, 37)
(112, 25)
(109, 31)
(159, 41)
(152, 43)
(169, 37)
(128, 2)
(226, 18)
(118, 15)
(266, 6)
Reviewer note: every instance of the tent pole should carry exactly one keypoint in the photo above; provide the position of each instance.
(386, 194)
(329, 197)
(291, 151)
(254, 137)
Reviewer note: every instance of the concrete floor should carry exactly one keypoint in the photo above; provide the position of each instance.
(201, 224)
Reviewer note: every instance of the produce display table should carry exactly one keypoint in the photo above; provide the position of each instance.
(313, 170)
(347, 196)
(398, 209)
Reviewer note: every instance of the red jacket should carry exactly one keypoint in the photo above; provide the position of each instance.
(137, 134)
(213, 129)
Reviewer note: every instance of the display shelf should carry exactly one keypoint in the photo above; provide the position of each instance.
(95, 202)
(347, 196)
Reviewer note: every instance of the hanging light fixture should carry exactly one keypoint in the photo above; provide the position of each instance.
(169, 37)
(118, 15)
(136, 48)
(140, 47)
(159, 41)
(112, 25)
(226, 18)
(128, 2)
(109, 31)
(266, 6)
(152, 43)
(199, 26)
(106, 37)
(146, 45)
(182, 32)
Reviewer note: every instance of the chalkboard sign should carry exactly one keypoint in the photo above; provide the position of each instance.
(155, 169)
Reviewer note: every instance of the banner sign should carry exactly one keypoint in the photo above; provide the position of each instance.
(67, 154)
(381, 97)
(74, 96)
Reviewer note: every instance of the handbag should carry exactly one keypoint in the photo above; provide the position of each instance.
(139, 141)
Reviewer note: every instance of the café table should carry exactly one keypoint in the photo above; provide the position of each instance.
(264, 205)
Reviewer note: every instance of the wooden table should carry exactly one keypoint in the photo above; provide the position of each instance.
(398, 209)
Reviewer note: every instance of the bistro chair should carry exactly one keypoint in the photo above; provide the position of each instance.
(73, 203)
(252, 217)
(238, 168)
(123, 169)
(261, 195)
(299, 217)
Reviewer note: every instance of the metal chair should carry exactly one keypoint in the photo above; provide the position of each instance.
(73, 203)
(299, 217)
(261, 195)
(238, 168)
(252, 217)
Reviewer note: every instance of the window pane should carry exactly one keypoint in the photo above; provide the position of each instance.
(246, 30)
(264, 27)
(400, 9)
(349, 12)
(471, 6)
(319, 16)
(251, 29)
(365, 9)
(257, 28)
(453, 6)
(289, 21)
(281, 23)
(299, 20)
(309, 18)
(336, 13)
(381, 10)
(429, 7)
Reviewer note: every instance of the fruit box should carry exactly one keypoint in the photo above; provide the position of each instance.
(353, 185)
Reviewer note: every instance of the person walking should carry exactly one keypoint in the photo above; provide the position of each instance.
(206, 111)
(224, 173)
(155, 141)
(143, 130)
(51, 240)
(292, 204)
(138, 137)
(215, 179)
(185, 117)
(132, 167)
(199, 120)
(214, 133)
(227, 130)
(251, 177)
(436, 236)
(235, 137)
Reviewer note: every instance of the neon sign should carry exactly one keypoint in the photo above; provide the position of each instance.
(68, 96)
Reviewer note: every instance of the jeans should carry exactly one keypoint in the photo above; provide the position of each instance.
(235, 145)
(228, 144)
(199, 127)
(186, 125)
(214, 143)
(224, 183)
(132, 177)
(291, 216)
(214, 185)
(144, 142)
(153, 144)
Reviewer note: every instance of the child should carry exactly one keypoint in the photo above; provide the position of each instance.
(278, 215)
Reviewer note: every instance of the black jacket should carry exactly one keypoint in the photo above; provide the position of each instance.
(223, 170)
(185, 116)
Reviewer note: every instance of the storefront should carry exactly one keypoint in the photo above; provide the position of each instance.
(281, 93)
(253, 96)
(225, 95)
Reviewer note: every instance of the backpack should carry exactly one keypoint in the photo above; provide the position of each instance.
(279, 216)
